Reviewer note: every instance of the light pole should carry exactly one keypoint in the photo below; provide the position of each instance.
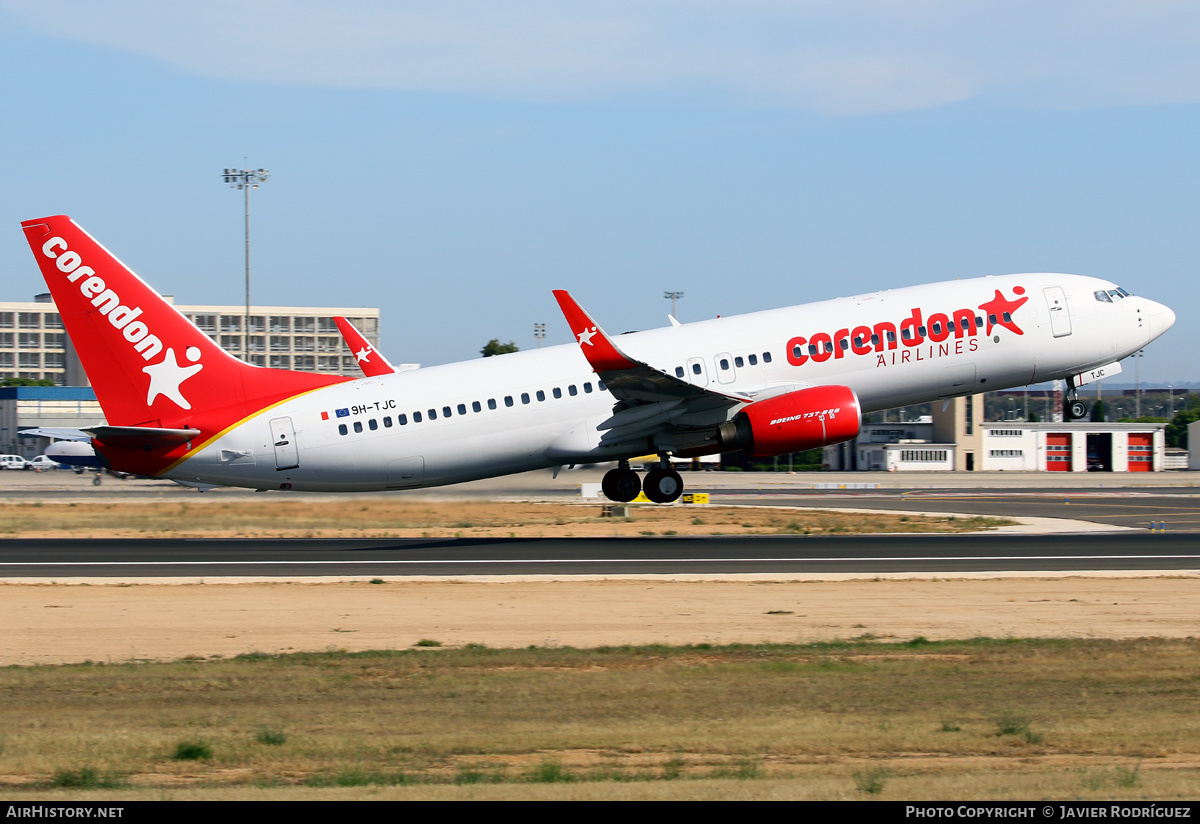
(673, 296)
(539, 332)
(246, 179)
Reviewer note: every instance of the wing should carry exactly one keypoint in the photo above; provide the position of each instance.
(632, 382)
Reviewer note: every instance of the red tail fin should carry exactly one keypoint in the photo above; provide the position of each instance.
(148, 364)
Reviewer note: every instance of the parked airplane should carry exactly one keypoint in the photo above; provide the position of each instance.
(768, 383)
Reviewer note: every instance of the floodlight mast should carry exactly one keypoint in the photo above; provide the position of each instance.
(246, 179)
(673, 297)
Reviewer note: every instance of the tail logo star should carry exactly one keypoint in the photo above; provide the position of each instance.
(586, 336)
(167, 375)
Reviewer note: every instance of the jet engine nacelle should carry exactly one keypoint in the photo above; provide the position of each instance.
(799, 420)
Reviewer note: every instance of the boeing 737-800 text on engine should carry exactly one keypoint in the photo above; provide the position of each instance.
(768, 383)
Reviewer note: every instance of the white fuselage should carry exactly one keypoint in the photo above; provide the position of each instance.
(299, 444)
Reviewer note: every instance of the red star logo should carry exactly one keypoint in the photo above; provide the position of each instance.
(1000, 310)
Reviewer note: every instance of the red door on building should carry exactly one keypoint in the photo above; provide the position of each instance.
(1058, 451)
(1141, 452)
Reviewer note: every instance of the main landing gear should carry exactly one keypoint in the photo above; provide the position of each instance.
(1073, 408)
(662, 485)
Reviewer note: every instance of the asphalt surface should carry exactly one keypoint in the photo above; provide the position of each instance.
(1170, 509)
(797, 555)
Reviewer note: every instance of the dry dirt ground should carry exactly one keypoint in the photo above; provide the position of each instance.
(59, 623)
(46, 623)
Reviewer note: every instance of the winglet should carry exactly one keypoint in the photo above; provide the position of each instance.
(370, 360)
(597, 347)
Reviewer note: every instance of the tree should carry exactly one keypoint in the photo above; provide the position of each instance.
(27, 382)
(1176, 431)
(495, 347)
(1098, 412)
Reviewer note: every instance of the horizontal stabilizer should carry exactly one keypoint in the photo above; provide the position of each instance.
(59, 434)
(128, 437)
(142, 437)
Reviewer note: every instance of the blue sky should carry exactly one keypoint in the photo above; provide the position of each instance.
(452, 162)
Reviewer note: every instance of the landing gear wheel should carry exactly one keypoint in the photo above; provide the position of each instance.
(663, 486)
(621, 485)
(1077, 410)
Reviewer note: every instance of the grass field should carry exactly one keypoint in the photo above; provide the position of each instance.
(977, 719)
(398, 518)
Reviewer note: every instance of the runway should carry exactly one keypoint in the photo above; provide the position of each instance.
(1175, 509)
(674, 556)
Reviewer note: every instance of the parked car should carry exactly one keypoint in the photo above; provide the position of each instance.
(43, 462)
(14, 462)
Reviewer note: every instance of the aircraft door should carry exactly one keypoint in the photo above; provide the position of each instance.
(696, 373)
(725, 369)
(1060, 316)
(283, 436)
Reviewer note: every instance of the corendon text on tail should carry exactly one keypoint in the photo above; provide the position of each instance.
(771, 382)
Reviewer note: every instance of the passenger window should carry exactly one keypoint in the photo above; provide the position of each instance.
(587, 388)
(491, 403)
(738, 362)
(541, 396)
(342, 430)
(725, 364)
(508, 400)
(358, 426)
(679, 371)
(524, 397)
(402, 420)
(557, 392)
(462, 408)
(754, 360)
(432, 414)
(695, 369)
(373, 424)
(600, 385)
(572, 391)
(387, 422)
(845, 344)
(767, 356)
(416, 417)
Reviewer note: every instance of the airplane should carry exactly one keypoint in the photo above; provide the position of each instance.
(767, 383)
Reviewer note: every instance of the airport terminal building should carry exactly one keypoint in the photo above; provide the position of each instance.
(34, 345)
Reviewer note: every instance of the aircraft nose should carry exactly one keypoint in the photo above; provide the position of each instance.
(1158, 318)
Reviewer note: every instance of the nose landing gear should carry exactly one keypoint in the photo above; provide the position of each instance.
(1073, 408)
(662, 485)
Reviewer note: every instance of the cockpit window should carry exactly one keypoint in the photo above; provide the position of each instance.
(1111, 295)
